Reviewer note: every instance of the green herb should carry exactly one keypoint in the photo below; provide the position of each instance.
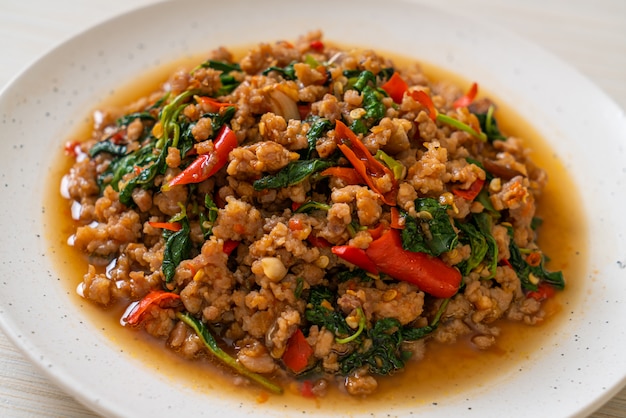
(455, 123)
(355, 273)
(177, 246)
(362, 324)
(211, 344)
(318, 126)
(287, 72)
(358, 127)
(145, 178)
(127, 119)
(477, 233)
(208, 219)
(385, 354)
(107, 146)
(433, 234)
(312, 205)
(372, 103)
(363, 79)
(396, 167)
(229, 83)
(299, 287)
(525, 270)
(318, 313)
(489, 125)
(293, 173)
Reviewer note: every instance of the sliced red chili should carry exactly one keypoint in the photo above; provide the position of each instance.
(368, 167)
(155, 297)
(470, 193)
(317, 45)
(170, 226)
(424, 99)
(206, 165)
(395, 87)
(468, 98)
(544, 291)
(229, 246)
(347, 174)
(318, 242)
(430, 274)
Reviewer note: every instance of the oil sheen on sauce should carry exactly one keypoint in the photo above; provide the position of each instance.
(447, 370)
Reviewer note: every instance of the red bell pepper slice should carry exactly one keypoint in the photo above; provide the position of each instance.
(395, 87)
(356, 256)
(364, 162)
(206, 165)
(430, 274)
(155, 297)
(298, 352)
(466, 99)
(170, 226)
(470, 193)
(347, 174)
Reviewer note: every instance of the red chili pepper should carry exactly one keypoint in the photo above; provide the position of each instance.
(304, 110)
(544, 291)
(72, 148)
(364, 163)
(356, 256)
(468, 98)
(317, 45)
(212, 102)
(206, 165)
(171, 226)
(229, 246)
(318, 242)
(347, 174)
(155, 297)
(307, 389)
(378, 231)
(430, 274)
(395, 87)
(424, 99)
(471, 193)
(396, 219)
(298, 352)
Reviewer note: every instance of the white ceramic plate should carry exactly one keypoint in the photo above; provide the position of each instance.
(578, 368)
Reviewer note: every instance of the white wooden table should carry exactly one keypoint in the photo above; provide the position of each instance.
(589, 35)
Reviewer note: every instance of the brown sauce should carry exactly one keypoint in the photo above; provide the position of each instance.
(446, 370)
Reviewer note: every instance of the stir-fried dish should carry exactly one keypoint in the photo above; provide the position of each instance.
(309, 216)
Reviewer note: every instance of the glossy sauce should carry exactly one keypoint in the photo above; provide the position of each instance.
(446, 370)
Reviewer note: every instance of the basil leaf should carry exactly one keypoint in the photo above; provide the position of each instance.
(177, 249)
(317, 129)
(107, 146)
(489, 126)
(287, 72)
(293, 173)
(434, 235)
(127, 119)
(229, 83)
(317, 313)
(145, 178)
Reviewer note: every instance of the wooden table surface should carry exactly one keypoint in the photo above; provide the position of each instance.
(589, 35)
